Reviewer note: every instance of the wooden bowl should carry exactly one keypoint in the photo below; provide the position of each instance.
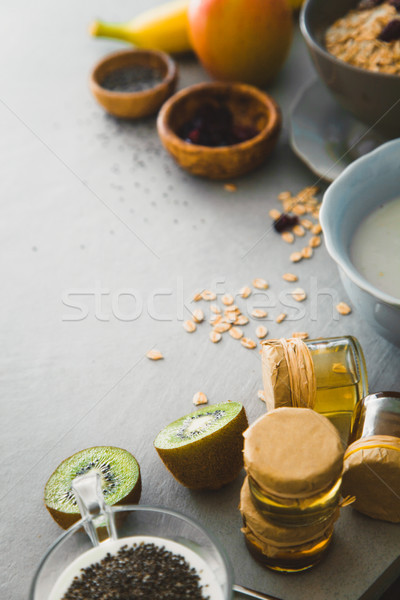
(134, 105)
(249, 107)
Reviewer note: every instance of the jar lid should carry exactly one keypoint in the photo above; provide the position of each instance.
(288, 374)
(372, 474)
(293, 453)
(279, 536)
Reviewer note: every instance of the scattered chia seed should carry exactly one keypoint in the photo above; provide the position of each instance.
(139, 572)
(131, 79)
(285, 222)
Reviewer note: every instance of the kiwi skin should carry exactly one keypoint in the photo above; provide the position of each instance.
(209, 462)
(65, 520)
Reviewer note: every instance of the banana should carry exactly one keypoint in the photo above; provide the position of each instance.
(164, 28)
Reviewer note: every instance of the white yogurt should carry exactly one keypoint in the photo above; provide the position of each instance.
(208, 581)
(375, 248)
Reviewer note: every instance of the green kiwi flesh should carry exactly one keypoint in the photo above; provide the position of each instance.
(204, 450)
(120, 480)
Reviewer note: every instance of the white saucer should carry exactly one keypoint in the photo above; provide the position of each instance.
(325, 136)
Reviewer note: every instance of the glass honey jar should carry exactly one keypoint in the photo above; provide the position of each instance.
(294, 461)
(328, 375)
(287, 549)
(372, 461)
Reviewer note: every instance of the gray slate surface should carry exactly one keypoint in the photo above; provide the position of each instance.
(90, 203)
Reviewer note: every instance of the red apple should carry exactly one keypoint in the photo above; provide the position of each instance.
(241, 40)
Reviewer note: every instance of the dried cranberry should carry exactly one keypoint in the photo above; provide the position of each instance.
(213, 126)
(366, 4)
(396, 4)
(284, 222)
(390, 32)
(243, 132)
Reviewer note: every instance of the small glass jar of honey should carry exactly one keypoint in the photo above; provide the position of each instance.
(328, 375)
(372, 461)
(290, 499)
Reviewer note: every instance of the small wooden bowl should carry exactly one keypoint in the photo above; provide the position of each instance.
(134, 105)
(248, 105)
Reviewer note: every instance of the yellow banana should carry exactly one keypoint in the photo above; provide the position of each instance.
(164, 28)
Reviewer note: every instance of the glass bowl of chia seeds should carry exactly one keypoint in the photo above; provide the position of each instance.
(157, 552)
(132, 84)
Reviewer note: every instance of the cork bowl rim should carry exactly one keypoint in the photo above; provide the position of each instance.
(132, 101)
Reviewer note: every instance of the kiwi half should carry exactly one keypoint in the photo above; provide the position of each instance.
(204, 450)
(120, 480)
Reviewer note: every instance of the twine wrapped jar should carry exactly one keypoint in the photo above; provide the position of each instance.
(328, 375)
(372, 462)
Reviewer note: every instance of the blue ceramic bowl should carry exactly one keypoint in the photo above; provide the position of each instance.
(364, 185)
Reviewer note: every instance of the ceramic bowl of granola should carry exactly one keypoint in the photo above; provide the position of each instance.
(355, 47)
(352, 211)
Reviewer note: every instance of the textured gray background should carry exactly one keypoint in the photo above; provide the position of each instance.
(79, 193)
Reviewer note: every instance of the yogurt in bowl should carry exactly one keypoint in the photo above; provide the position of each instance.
(360, 217)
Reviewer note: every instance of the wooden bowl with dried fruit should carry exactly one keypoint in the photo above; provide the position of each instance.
(219, 130)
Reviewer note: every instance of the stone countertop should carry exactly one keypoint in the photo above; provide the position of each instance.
(104, 242)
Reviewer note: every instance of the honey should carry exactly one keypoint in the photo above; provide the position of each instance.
(328, 375)
(295, 511)
(290, 497)
(291, 560)
(372, 461)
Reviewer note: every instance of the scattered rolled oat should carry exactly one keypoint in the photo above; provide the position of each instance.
(215, 309)
(261, 332)
(284, 196)
(299, 230)
(189, 326)
(198, 315)
(241, 320)
(248, 343)
(287, 237)
(296, 256)
(199, 398)
(245, 292)
(197, 297)
(302, 335)
(259, 313)
(154, 354)
(274, 214)
(260, 395)
(230, 187)
(316, 229)
(290, 277)
(315, 241)
(343, 308)
(227, 299)
(236, 333)
(307, 224)
(260, 283)
(299, 294)
(339, 368)
(231, 316)
(222, 327)
(208, 295)
(281, 317)
(215, 319)
(299, 210)
(215, 337)
(306, 252)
